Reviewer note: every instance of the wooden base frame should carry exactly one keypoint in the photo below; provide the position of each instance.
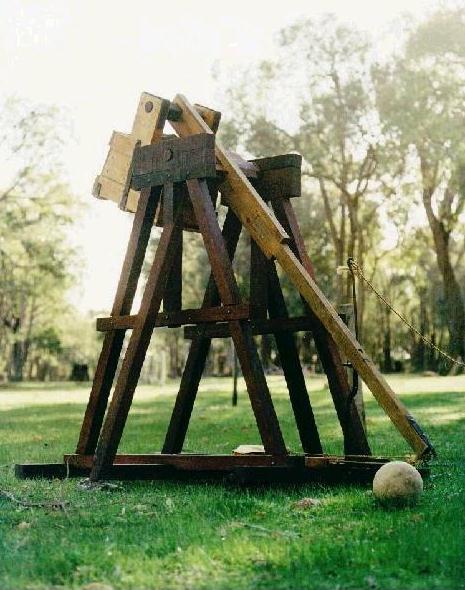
(245, 470)
(179, 196)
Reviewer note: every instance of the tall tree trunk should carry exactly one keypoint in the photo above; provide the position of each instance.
(452, 294)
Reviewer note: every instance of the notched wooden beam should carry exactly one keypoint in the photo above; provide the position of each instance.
(185, 316)
(174, 160)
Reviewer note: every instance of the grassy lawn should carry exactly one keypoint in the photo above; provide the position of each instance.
(164, 535)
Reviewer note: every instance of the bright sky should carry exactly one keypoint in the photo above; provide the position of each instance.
(94, 58)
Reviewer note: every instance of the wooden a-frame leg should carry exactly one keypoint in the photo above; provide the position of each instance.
(252, 370)
(198, 352)
(355, 439)
(290, 362)
(172, 297)
(113, 341)
(118, 410)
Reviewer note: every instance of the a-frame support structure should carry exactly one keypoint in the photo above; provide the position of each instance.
(179, 178)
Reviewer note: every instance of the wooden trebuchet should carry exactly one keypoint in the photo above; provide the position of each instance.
(173, 181)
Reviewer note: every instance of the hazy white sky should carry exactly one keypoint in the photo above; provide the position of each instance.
(94, 58)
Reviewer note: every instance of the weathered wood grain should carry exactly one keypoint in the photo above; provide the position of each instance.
(272, 238)
(222, 313)
(113, 341)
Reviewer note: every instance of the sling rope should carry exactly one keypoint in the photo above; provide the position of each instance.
(355, 270)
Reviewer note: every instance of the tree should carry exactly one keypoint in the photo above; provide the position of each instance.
(317, 98)
(421, 98)
(37, 207)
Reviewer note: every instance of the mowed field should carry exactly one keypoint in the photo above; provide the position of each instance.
(157, 535)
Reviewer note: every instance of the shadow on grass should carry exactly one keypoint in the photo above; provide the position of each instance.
(215, 426)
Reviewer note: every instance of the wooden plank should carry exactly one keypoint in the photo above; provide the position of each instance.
(113, 341)
(290, 362)
(355, 439)
(113, 182)
(278, 162)
(243, 476)
(150, 118)
(198, 351)
(258, 327)
(174, 160)
(298, 470)
(147, 128)
(172, 295)
(222, 313)
(117, 165)
(279, 177)
(258, 283)
(133, 360)
(272, 238)
(248, 206)
(191, 461)
(212, 118)
(107, 189)
(347, 313)
(262, 405)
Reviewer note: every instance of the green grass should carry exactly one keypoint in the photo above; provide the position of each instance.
(161, 535)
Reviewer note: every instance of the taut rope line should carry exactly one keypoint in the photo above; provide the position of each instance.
(355, 270)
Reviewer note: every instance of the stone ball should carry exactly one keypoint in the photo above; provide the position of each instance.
(397, 484)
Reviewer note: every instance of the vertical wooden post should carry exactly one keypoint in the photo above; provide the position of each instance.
(346, 310)
(172, 297)
(258, 282)
(289, 355)
(252, 370)
(235, 371)
(355, 440)
(198, 352)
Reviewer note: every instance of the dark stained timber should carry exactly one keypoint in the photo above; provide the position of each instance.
(174, 160)
(221, 313)
(258, 282)
(113, 342)
(258, 327)
(198, 351)
(140, 338)
(292, 368)
(252, 470)
(355, 439)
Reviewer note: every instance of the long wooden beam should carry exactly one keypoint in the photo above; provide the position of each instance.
(258, 327)
(221, 313)
(258, 469)
(270, 235)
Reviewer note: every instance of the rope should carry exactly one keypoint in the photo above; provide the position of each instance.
(355, 269)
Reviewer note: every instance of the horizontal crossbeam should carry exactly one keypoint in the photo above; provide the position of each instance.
(239, 469)
(258, 327)
(174, 160)
(222, 313)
